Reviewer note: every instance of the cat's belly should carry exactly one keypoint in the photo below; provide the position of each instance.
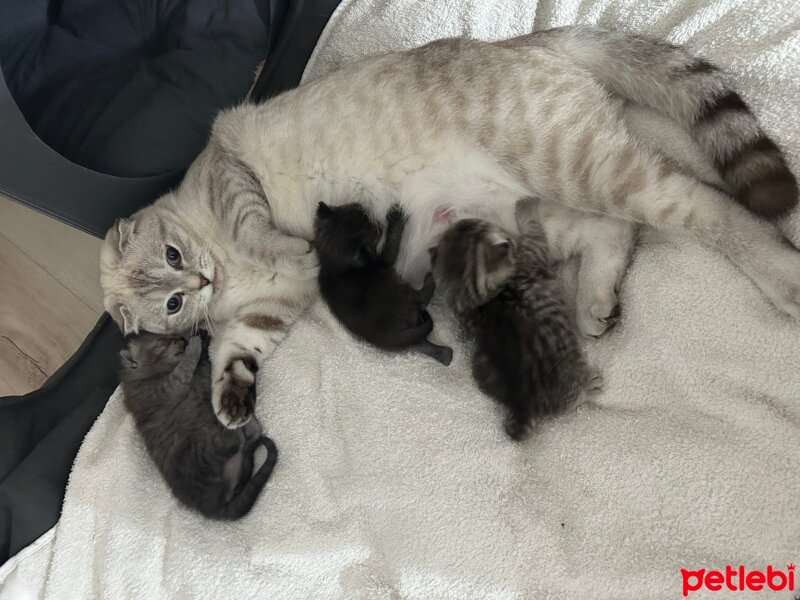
(432, 214)
(458, 182)
(464, 183)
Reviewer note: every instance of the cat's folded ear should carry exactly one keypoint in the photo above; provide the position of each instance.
(127, 359)
(130, 324)
(323, 210)
(124, 229)
(117, 239)
(122, 316)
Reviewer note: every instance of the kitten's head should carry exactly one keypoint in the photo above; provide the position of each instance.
(155, 274)
(472, 261)
(149, 354)
(345, 236)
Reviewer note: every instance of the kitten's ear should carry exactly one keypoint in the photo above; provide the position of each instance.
(499, 254)
(127, 359)
(323, 210)
(124, 229)
(129, 324)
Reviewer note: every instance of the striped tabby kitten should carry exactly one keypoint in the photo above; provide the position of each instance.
(443, 128)
(505, 293)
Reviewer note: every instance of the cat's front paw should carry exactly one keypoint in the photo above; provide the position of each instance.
(233, 393)
(599, 317)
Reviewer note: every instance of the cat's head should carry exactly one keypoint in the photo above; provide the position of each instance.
(150, 354)
(155, 274)
(345, 236)
(471, 262)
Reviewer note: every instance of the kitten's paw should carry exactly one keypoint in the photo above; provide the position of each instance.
(599, 317)
(233, 393)
(395, 216)
(194, 346)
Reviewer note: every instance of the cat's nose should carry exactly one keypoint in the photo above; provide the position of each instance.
(203, 281)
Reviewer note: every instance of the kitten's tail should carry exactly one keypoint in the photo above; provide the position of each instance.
(695, 93)
(240, 505)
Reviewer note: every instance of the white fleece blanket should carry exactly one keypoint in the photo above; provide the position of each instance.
(395, 479)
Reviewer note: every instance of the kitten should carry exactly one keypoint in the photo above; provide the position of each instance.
(166, 383)
(463, 123)
(361, 286)
(504, 291)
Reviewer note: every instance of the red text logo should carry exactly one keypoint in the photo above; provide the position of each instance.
(738, 580)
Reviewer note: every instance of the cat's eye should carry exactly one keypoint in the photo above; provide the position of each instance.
(173, 257)
(174, 303)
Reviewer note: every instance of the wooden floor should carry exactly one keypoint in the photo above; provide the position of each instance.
(49, 295)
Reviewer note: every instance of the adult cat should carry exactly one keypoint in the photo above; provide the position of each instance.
(438, 130)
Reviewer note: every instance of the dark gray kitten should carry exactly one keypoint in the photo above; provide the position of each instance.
(504, 291)
(361, 286)
(167, 387)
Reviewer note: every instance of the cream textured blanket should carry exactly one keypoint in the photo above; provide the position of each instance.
(395, 479)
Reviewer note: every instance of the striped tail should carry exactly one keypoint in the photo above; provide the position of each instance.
(695, 93)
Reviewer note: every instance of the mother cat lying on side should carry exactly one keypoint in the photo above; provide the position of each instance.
(457, 127)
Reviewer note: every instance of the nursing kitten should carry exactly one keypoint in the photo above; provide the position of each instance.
(166, 384)
(505, 293)
(458, 123)
(361, 286)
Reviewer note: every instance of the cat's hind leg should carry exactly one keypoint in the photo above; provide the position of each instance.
(604, 260)
(425, 293)
(676, 201)
(625, 182)
(604, 245)
(415, 339)
(442, 354)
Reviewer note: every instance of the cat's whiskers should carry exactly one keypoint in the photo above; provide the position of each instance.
(195, 320)
(212, 327)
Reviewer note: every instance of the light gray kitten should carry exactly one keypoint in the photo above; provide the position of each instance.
(504, 291)
(458, 128)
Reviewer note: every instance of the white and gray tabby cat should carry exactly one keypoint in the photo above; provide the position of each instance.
(439, 130)
(504, 291)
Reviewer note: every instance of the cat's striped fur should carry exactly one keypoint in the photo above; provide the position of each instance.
(504, 292)
(697, 95)
(473, 126)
